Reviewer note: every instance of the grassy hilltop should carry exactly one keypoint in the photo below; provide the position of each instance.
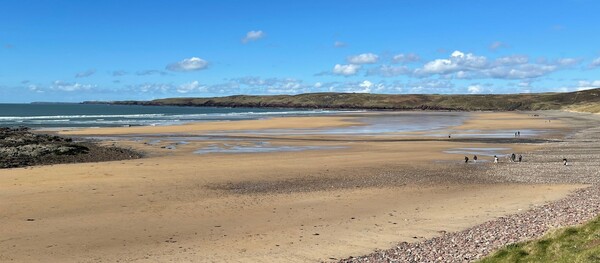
(587, 101)
(571, 244)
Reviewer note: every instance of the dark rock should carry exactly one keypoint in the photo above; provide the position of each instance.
(20, 147)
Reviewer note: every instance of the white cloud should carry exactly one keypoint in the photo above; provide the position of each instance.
(253, 36)
(366, 58)
(253, 81)
(458, 61)
(463, 74)
(430, 86)
(287, 87)
(35, 88)
(438, 66)
(406, 58)
(366, 85)
(225, 88)
(579, 86)
(386, 87)
(259, 85)
(512, 60)
(497, 45)
(188, 64)
(567, 61)
(249, 85)
(389, 71)
(475, 89)
(86, 73)
(151, 72)
(524, 84)
(118, 73)
(339, 44)
(461, 65)
(346, 70)
(524, 71)
(191, 87)
(70, 87)
(585, 84)
(272, 85)
(152, 88)
(595, 63)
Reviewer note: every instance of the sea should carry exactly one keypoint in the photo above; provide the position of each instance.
(65, 115)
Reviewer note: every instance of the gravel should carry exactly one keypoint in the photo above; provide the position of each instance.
(582, 150)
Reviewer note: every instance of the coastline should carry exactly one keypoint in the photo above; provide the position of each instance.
(497, 102)
(250, 207)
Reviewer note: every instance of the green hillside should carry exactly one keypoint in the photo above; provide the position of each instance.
(587, 101)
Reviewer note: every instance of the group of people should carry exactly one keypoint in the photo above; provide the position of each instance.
(513, 158)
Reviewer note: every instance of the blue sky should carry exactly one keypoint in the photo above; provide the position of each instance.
(118, 50)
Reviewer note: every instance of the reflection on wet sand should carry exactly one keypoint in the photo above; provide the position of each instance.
(258, 147)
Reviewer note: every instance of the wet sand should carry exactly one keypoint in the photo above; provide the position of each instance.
(301, 206)
(194, 128)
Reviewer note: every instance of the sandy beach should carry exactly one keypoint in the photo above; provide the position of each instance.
(326, 197)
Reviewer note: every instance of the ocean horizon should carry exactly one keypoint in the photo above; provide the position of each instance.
(74, 115)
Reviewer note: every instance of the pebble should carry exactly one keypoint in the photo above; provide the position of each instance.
(542, 167)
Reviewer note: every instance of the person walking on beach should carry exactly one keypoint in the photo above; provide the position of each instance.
(513, 157)
(520, 158)
(495, 159)
(475, 158)
(519, 134)
(466, 159)
(565, 162)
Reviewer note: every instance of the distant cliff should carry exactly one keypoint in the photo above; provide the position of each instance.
(588, 100)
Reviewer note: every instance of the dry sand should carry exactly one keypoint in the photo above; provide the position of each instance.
(287, 206)
(510, 120)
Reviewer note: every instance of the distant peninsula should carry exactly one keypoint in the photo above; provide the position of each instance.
(582, 101)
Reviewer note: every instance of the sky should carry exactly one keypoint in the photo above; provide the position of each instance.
(139, 50)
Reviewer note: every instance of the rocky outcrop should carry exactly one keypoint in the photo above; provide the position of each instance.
(20, 147)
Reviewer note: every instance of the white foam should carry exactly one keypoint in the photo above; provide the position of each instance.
(49, 117)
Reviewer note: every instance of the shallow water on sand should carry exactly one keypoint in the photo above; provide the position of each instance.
(490, 133)
(258, 147)
(397, 125)
(380, 124)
